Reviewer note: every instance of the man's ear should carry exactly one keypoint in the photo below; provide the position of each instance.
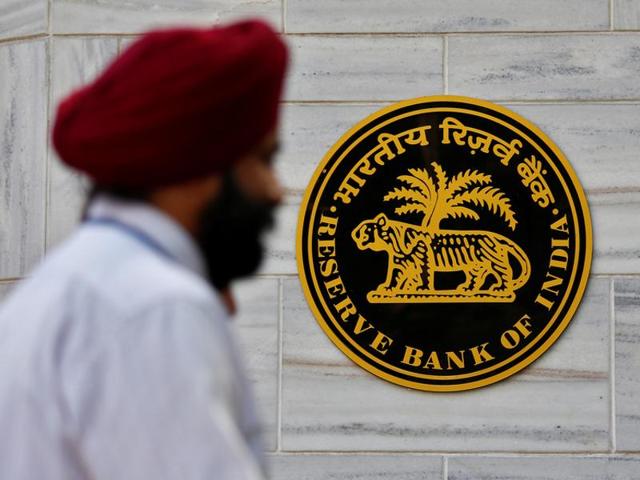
(184, 201)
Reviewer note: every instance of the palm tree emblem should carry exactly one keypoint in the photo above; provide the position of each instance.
(452, 198)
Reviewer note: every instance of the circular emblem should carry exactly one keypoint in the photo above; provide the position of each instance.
(444, 243)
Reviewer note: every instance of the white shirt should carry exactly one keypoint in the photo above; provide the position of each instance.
(117, 361)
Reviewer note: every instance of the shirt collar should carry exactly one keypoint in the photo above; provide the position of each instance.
(153, 222)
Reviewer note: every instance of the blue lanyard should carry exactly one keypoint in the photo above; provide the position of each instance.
(132, 231)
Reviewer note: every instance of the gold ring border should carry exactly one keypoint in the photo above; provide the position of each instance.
(575, 301)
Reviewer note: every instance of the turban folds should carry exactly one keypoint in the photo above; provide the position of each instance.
(177, 104)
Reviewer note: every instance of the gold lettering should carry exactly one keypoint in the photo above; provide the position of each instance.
(532, 173)
(540, 193)
(412, 356)
(480, 354)
(453, 357)
(529, 169)
(384, 139)
(559, 259)
(381, 343)
(544, 301)
(421, 139)
(505, 151)
(480, 142)
(550, 282)
(334, 287)
(326, 248)
(510, 339)
(460, 131)
(523, 326)
(433, 362)
(364, 166)
(327, 225)
(559, 243)
(328, 267)
(359, 323)
(346, 191)
(346, 308)
(561, 225)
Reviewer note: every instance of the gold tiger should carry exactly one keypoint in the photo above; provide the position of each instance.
(416, 254)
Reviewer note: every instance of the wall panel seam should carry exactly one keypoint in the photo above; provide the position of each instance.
(611, 13)
(497, 33)
(612, 362)
(284, 16)
(347, 102)
(23, 38)
(280, 355)
(49, 7)
(49, 110)
(47, 156)
(445, 63)
(461, 454)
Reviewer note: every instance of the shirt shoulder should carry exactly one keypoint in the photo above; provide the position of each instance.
(128, 274)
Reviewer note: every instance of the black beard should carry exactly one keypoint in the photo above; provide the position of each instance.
(229, 234)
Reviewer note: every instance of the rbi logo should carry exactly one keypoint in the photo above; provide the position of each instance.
(444, 243)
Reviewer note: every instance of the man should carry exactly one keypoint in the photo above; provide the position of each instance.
(116, 360)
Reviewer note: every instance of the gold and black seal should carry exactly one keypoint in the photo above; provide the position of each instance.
(444, 243)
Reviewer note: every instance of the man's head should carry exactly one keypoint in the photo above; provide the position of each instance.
(228, 213)
(186, 119)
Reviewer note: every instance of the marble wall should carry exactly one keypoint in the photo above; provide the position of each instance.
(570, 66)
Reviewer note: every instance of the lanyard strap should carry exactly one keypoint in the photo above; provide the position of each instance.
(133, 232)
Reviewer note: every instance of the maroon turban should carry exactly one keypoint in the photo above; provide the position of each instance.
(177, 104)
